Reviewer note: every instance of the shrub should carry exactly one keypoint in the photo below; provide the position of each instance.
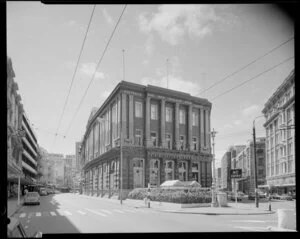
(175, 195)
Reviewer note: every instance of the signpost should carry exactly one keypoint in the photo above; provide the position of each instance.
(234, 174)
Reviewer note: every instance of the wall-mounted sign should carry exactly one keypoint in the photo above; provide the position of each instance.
(236, 173)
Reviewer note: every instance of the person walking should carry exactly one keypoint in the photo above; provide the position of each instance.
(26, 190)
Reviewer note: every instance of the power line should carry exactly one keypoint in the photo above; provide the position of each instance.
(239, 85)
(96, 69)
(73, 77)
(239, 70)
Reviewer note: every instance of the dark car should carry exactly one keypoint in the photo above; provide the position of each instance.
(43, 192)
(275, 196)
(16, 229)
(251, 196)
(286, 197)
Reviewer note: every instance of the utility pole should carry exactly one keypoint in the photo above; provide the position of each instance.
(213, 203)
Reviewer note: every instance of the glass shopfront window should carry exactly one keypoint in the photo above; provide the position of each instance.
(154, 172)
(183, 172)
(138, 173)
(195, 171)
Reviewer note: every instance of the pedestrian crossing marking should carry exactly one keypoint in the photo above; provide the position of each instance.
(53, 214)
(68, 213)
(98, 213)
(81, 212)
(118, 211)
(108, 212)
(22, 214)
(128, 210)
(38, 214)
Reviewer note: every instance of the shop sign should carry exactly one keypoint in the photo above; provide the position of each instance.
(236, 173)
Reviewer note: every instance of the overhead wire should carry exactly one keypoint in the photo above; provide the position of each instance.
(112, 34)
(76, 67)
(244, 67)
(247, 81)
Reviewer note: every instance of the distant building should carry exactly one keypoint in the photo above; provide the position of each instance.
(77, 155)
(219, 177)
(166, 136)
(227, 163)
(280, 122)
(58, 162)
(245, 161)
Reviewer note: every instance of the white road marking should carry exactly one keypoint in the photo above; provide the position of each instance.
(38, 214)
(128, 210)
(81, 212)
(68, 213)
(98, 213)
(257, 229)
(258, 221)
(22, 214)
(53, 213)
(106, 211)
(118, 211)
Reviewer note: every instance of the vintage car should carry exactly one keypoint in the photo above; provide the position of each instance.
(286, 197)
(16, 229)
(43, 192)
(32, 198)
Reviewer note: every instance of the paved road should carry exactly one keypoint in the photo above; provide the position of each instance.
(69, 213)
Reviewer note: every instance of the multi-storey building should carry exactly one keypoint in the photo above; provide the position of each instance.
(219, 178)
(77, 155)
(245, 161)
(14, 142)
(280, 136)
(227, 164)
(58, 166)
(165, 136)
(30, 152)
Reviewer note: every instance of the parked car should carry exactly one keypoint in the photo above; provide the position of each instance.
(32, 198)
(232, 196)
(16, 229)
(49, 191)
(251, 196)
(43, 192)
(56, 191)
(286, 197)
(275, 196)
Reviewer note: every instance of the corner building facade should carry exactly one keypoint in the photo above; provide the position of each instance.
(166, 136)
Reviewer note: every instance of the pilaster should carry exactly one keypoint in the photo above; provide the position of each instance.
(162, 124)
(190, 123)
(201, 129)
(123, 115)
(131, 118)
(176, 138)
(207, 131)
(147, 122)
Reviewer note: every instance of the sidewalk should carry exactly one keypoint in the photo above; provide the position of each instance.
(232, 209)
(12, 205)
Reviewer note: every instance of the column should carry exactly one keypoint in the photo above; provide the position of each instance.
(147, 122)
(176, 138)
(131, 118)
(190, 123)
(123, 115)
(201, 129)
(162, 123)
(208, 143)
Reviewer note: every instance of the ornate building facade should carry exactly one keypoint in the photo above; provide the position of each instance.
(14, 137)
(280, 136)
(165, 136)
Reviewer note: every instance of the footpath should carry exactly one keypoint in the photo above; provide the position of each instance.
(12, 205)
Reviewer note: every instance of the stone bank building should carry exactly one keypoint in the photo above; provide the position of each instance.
(166, 136)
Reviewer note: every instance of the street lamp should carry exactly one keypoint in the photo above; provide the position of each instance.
(213, 203)
(255, 166)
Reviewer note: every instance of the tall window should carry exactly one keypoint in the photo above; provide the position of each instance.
(181, 116)
(169, 141)
(181, 142)
(114, 123)
(96, 138)
(154, 139)
(195, 118)
(182, 171)
(169, 169)
(153, 112)
(119, 118)
(91, 145)
(138, 137)
(195, 143)
(168, 114)
(138, 109)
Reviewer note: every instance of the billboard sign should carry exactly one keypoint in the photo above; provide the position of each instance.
(236, 173)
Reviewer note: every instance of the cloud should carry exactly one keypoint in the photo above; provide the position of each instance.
(89, 70)
(251, 110)
(149, 46)
(107, 17)
(173, 22)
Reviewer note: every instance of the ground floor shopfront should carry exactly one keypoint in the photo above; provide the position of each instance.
(141, 166)
(282, 184)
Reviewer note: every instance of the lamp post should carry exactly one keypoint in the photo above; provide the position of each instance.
(255, 166)
(213, 203)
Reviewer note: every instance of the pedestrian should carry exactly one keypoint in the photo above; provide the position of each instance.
(26, 191)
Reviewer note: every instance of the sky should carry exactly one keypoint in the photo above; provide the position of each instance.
(203, 45)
